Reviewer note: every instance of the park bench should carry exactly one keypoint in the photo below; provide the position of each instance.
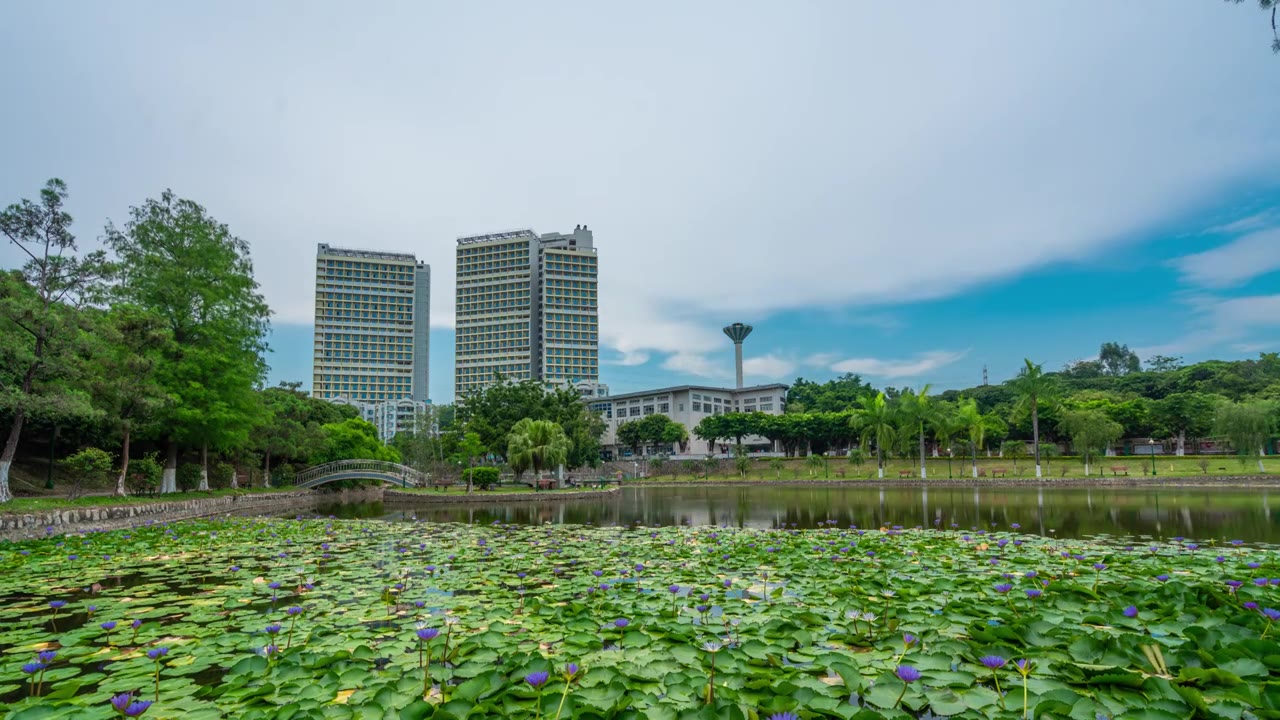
(840, 473)
(441, 483)
(999, 472)
(542, 484)
(1119, 469)
(906, 473)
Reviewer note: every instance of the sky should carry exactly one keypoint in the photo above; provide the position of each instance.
(911, 193)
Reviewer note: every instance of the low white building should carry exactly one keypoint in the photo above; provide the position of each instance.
(389, 416)
(687, 405)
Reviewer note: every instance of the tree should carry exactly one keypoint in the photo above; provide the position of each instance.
(125, 385)
(710, 429)
(874, 419)
(539, 444)
(630, 434)
(1163, 363)
(1091, 431)
(1118, 359)
(835, 395)
(40, 330)
(179, 263)
(976, 426)
(352, 439)
(469, 448)
(1248, 426)
(1180, 414)
(1034, 389)
(492, 412)
(1271, 5)
(915, 411)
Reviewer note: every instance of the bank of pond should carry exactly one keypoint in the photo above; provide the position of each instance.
(310, 618)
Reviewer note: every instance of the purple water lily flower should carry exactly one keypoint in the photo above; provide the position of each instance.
(428, 634)
(273, 628)
(1131, 612)
(157, 653)
(907, 674)
(57, 604)
(784, 716)
(1271, 613)
(537, 679)
(993, 662)
(108, 625)
(136, 708)
(295, 610)
(32, 668)
(46, 656)
(621, 622)
(1003, 588)
(121, 701)
(1033, 593)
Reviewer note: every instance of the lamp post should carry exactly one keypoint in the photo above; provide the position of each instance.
(1151, 446)
(948, 463)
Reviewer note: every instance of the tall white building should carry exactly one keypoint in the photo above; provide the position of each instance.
(372, 332)
(527, 308)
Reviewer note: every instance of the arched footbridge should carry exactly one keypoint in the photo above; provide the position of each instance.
(387, 472)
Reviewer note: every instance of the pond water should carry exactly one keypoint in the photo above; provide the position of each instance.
(1201, 513)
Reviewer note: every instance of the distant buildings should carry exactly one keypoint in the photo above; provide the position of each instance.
(372, 334)
(687, 405)
(527, 308)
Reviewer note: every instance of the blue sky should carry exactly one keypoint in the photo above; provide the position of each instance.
(909, 193)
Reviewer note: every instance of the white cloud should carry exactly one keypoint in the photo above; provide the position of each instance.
(694, 364)
(821, 360)
(628, 359)
(1244, 224)
(767, 367)
(917, 366)
(1222, 320)
(1255, 254)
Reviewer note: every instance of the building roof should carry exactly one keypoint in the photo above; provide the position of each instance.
(682, 388)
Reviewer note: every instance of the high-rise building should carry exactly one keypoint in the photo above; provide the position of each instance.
(373, 319)
(527, 308)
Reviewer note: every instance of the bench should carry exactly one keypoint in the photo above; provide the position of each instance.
(906, 473)
(1118, 470)
(840, 473)
(441, 483)
(542, 484)
(999, 472)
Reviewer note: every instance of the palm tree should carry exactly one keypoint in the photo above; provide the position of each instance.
(874, 419)
(915, 410)
(975, 425)
(946, 426)
(1034, 390)
(537, 444)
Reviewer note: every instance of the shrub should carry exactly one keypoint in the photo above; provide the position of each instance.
(188, 477)
(90, 465)
(1203, 464)
(144, 475)
(482, 477)
(220, 475)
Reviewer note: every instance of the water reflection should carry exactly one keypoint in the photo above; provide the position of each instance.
(1073, 512)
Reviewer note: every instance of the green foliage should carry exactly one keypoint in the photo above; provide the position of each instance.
(188, 477)
(144, 475)
(877, 424)
(42, 333)
(743, 464)
(1248, 426)
(482, 477)
(352, 439)
(537, 444)
(493, 411)
(90, 465)
(1091, 432)
(837, 395)
(1035, 391)
(220, 475)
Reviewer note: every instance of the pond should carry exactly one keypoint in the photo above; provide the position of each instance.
(1204, 513)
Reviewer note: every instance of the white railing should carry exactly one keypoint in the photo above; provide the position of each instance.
(377, 469)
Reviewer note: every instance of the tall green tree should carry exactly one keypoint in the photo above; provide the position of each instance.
(41, 328)
(1180, 414)
(127, 346)
(916, 411)
(494, 410)
(352, 439)
(1248, 426)
(875, 421)
(1034, 390)
(181, 264)
(1091, 432)
(976, 426)
(1117, 359)
(470, 447)
(539, 444)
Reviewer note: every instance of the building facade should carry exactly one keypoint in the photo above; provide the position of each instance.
(388, 416)
(687, 405)
(372, 327)
(527, 308)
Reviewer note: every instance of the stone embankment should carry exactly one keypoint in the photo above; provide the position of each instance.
(25, 526)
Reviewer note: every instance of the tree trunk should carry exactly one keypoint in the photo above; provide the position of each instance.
(1035, 434)
(470, 475)
(923, 472)
(266, 473)
(10, 449)
(169, 478)
(204, 466)
(1182, 443)
(234, 484)
(124, 463)
(1261, 452)
(879, 463)
(975, 461)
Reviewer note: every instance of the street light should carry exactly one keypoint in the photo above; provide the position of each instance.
(1151, 445)
(949, 463)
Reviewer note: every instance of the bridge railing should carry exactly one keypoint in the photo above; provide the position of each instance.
(378, 467)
